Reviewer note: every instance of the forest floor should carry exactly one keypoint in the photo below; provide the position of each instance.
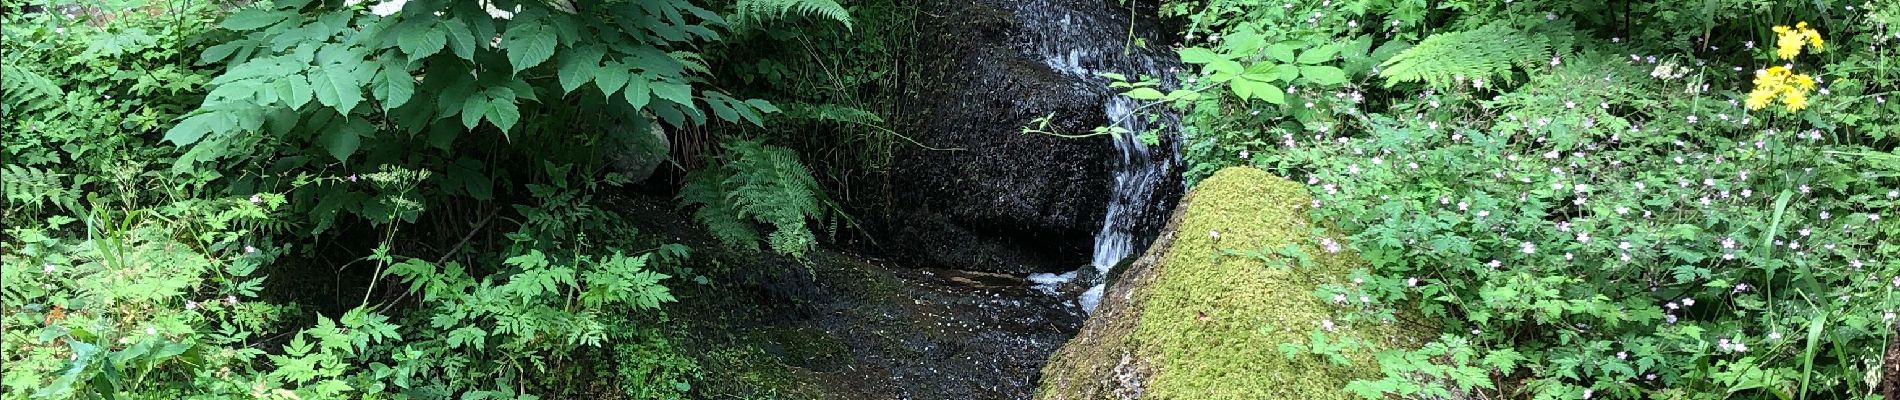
(844, 326)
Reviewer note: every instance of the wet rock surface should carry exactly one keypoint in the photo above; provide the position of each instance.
(1007, 201)
(842, 326)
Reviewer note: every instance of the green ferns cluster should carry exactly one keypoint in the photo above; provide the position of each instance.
(752, 12)
(25, 90)
(1487, 53)
(757, 183)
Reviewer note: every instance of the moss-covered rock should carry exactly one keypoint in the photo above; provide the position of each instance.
(1188, 320)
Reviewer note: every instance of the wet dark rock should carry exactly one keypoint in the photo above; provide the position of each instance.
(843, 326)
(1008, 201)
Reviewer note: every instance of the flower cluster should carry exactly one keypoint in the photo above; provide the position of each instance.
(1782, 83)
(1788, 41)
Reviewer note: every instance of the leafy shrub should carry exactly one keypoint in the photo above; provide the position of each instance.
(133, 270)
(1596, 213)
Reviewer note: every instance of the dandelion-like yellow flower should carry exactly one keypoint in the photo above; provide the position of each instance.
(1789, 41)
(1795, 101)
(1782, 83)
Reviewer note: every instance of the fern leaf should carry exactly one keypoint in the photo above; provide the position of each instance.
(24, 90)
(752, 12)
(1487, 53)
(757, 184)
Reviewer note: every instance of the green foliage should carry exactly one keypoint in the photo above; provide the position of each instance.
(1486, 54)
(755, 11)
(1577, 191)
(757, 183)
(25, 90)
(132, 269)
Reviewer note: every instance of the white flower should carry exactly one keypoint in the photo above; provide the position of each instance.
(1328, 324)
(1339, 298)
(1583, 237)
(46, 268)
(1527, 247)
(250, 250)
(255, 199)
(1688, 301)
(1623, 245)
(1411, 282)
(151, 331)
(1622, 355)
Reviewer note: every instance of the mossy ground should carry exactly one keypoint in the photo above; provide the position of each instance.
(1203, 325)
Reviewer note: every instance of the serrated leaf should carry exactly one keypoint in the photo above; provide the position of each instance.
(611, 77)
(673, 91)
(294, 90)
(1281, 52)
(253, 18)
(418, 38)
(528, 45)
(638, 93)
(342, 141)
(1318, 55)
(503, 114)
(336, 86)
(194, 128)
(460, 40)
(1145, 94)
(1323, 75)
(472, 109)
(1196, 55)
(1247, 88)
(579, 66)
(393, 86)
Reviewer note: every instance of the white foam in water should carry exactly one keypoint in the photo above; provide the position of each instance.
(1047, 282)
(1091, 298)
(1083, 45)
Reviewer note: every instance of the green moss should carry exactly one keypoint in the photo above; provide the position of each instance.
(1206, 326)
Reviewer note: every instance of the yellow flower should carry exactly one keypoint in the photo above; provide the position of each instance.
(1759, 98)
(1788, 41)
(1795, 101)
(1803, 81)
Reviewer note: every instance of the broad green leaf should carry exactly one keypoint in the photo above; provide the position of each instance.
(579, 66)
(638, 93)
(393, 86)
(763, 106)
(1196, 55)
(1247, 88)
(1145, 94)
(611, 77)
(1222, 70)
(472, 109)
(503, 114)
(676, 92)
(194, 128)
(460, 40)
(528, 45)
(1323, 75)
(336, 86)
(342, 141)
(1318, 55)
(253, 18)
(294, 90)
(419, 38)
(1281, 52)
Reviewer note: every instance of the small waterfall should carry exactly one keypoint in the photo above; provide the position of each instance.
(1084, 38)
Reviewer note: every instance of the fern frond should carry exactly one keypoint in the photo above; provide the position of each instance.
(757, 183)
(37, 188)
(22, 90)
(1487, 53)
(706, 190)
(829, 113)
(751, 12)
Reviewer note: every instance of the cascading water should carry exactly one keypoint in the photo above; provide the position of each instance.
(1085, 38)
